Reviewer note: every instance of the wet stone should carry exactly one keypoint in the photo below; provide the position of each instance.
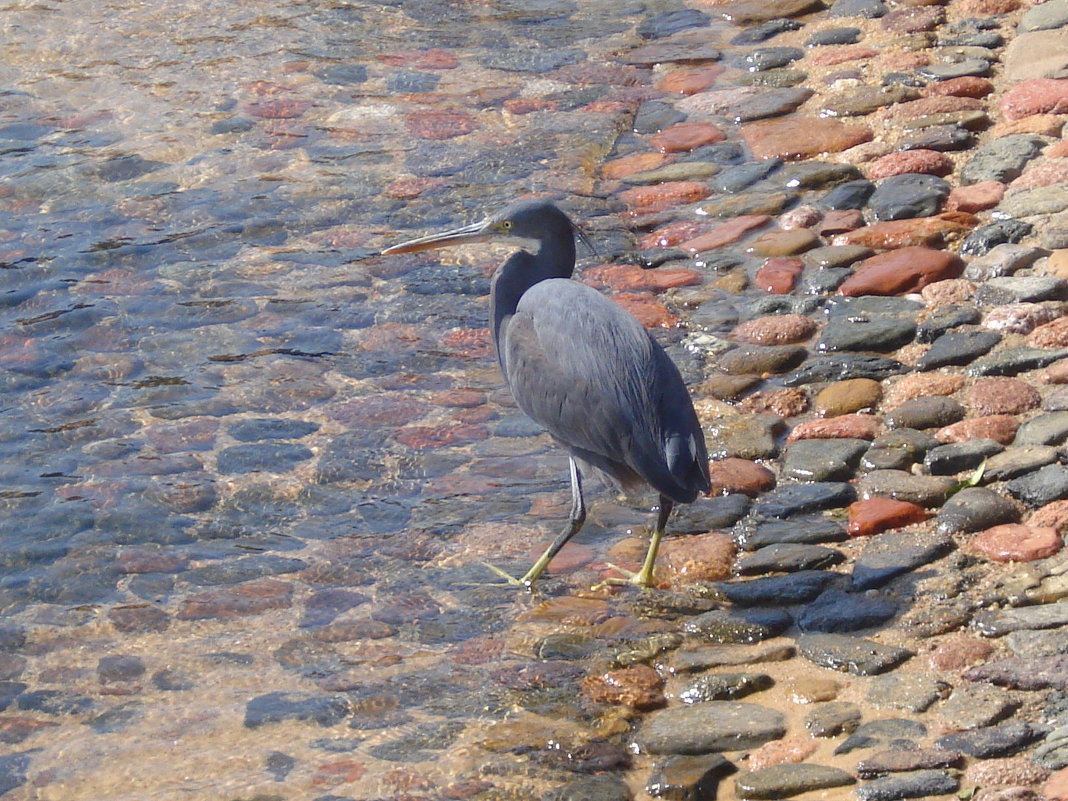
(735, 179)
(907, 196)
(843, 367)
(739, 626)
(1004, 739)
(849, 195)
(927, 412)
(654, 116)
(55, 702)
(793, 499)
(119, 668)
(755, 532)
(1020, 289)
(823, 459)
(975, 707)
(766, 58)
(901, 760)
(838, 612)
(833, 718)
(907, 691)
(270, 428)
(863, 100)
(851, 654)
(947, 460)
(985, 238)
(724, 687)
(711, 726)
(762, 359)
(897, 450)
(867, 9)
(914, 784)
(688, 778)
(975, 509)
(423, 742)
(793, 588)
(788, 558)
(958, 348)
(764, 31)
(941, 138)
(879, 333)
(881, 732)
(942, 319)
(785, 781)
(662, 25)
(274, 458)
(710, 656)
(1044, 486)
(834, 36)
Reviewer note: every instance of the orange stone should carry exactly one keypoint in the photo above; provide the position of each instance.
(901, 271)
(740, 475)
(965, 86)
(1056, 786)
(1035, 96)
(905, 233)
(778, 276)
(1050, 335)
(690, 81)
(685, 136)
(1015, 542)
(1053, 515)
(876, 515)
(250, 598)
(977, 197)
(775, 329)
(724, 234)
(334, 774)
(670, 235)
(639, 687)
(998, 427)
(701, 557)
(843, 426)
(649, 199)
(802, 137)
(439, 124)
(787, 751)
(1041, 124)
(960, 651)
(928, 162)
(424, 437)
(633, 277)
(628, 165)
(650, 312)
(829, 56)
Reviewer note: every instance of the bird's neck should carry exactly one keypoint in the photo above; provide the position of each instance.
(523, 270)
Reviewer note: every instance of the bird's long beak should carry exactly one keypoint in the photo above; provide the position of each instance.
(477, 232)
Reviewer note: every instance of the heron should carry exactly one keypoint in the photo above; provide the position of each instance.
(586, 370)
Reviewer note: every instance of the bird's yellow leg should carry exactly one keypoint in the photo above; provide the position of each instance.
(644, 577)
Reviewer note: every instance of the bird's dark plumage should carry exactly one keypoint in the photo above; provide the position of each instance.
(584, 368)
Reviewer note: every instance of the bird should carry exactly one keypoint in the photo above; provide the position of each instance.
(586, 370)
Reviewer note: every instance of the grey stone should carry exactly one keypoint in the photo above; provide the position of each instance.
(708, 727)
(710, 656)
(1044, 486)
(851, 654)
(868, 9)
(766, 58)
(976, 706)
(937, 137)
(1053, 14)
(761, 359)
(843, 366)
(996, 623)
(764, 31)
(833, 718)
(787, 558)
(947, 460)
(898, 449)
(665, 24)
(975, 509)
(841, 612)
(1001, 740)
(280, 457)
(1013, 361)
(945, 318)
(742, 626)
(849, 195)
(772, 102)
(904, 486)
(934, 411)
(881, 732)
(654, 116)
(986, 237)
(914, 784)
(792, 588)
(592, 788)
(788, 500)
(1045, 429)
(912, 692)
(1052, 752)
(861, 100)
(879, 333)
(894, 553)
(833, 36)
(1002, 159)
(956, 69)
(958, 347)
(1030, 643)
(275, 707)
(1031, 202)
(910, 195)
(756, 532)
(688, 778)
(822, 460)
(735, 179)
(898, 760)
(724, 687)
(1021, 289)
(836, 256)
(1014, 461)
(1002, 260)
(785, 781)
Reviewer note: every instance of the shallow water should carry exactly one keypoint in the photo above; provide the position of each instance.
(243, 456)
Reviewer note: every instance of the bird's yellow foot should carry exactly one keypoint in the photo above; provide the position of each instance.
(643, 578)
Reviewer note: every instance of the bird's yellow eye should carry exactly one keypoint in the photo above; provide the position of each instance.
(505, 225)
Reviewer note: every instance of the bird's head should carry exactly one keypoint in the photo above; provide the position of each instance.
(529, 224)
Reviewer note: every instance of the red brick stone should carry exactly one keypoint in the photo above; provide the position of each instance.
(424, 437)
(701, 557)
(802, 137)
(685, 136)
(775, 329)
(411, 187)
(959, 651)
(725, 233)
(432, 59)
(998, 427)
(925, 231)
(1056, 786)
(1001, 396)
(283, 109)
(439, 124)
(740, 475)
(469, 343)
(335, 774)
(1053, 515)
(839, 221)
(965, 86)
(650, 312)
(778, 276)
(1036, 96)
(690, 81)
(628, 165)
(649, 199)
(672, 234)
(928, 162)
(787, 751)
(876, 515)
(250, 598)
(1051, 335)
(633, 277)
(976, 197)
(829, 56)
(639, 687)
(781, 402)
(843, 426)
(1014, 542)
(901, 271)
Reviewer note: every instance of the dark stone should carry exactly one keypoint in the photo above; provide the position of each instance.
(1029, 674)
(879, 333)
(840, 612)
(13, 769)
(934, 411)
(906, 196)
(915, 784)
(723, 687)
(275, 707)
(850, 195)
(793, 499)
(843, 366)
(688, 778)
(423, 742)
(834, 36)
(270, 428)
(116, 719)
(833, 718)
(592, 788)
(1004, 739)
(279, 765)
(235, 571)
(880, 732)
(739, 626)
(793, 588)
(767, 58)
(278, 457)
(894, 553)
(1002, 159)
(947, 460)
(55, 702)
(669, 22)
(983, 239)
(942, 319)
(788, 558)
(868, 9)
(1044, 486)
(937, 137)
(786, 781)
(120, 668)
(764, 31)
(654, 116)
(958, 348)
(735, 179)
(756, 532)
(1013, 361)
(342, 74)
(851, 654)
(975, 509)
